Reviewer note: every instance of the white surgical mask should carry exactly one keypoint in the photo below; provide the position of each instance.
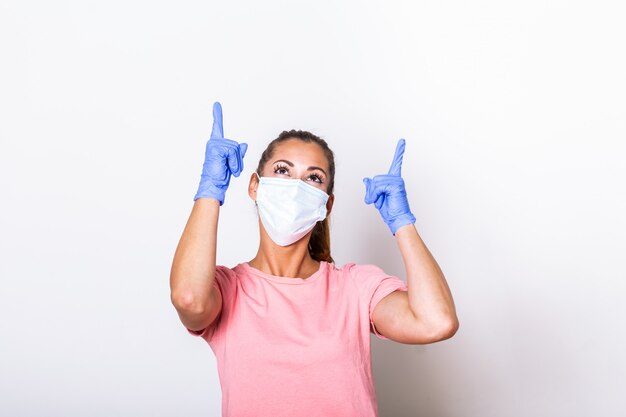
(289, 208)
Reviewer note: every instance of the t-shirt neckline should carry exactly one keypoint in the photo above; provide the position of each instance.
(285, 280)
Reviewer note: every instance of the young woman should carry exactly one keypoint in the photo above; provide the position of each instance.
(291, 330)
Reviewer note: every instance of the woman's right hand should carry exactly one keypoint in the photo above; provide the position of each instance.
(222, 158)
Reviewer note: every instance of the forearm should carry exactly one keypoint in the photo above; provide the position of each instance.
(429, 296)
(193, 267)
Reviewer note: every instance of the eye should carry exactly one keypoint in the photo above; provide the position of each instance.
(281, 169)
(316, 178)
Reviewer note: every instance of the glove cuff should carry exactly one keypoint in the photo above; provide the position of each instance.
(399, 221)
(206, 189)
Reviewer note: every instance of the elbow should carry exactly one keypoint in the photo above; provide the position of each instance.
(187, 302)
(444, 330)
(185, 297)
(448, 329)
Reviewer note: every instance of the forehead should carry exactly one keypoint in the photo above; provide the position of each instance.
(300, 152)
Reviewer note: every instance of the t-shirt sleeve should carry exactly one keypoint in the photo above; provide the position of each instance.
(376, 285)
(222, 283)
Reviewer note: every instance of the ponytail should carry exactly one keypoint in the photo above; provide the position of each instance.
(319, 245)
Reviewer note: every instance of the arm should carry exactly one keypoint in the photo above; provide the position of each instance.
(425, 313)
(196, 301)
(192, 277)
(429, 297)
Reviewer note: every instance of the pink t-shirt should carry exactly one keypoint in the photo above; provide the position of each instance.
(297, 347)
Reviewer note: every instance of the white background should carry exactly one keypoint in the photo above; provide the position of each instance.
(513, 114)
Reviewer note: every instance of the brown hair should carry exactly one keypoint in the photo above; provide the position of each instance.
(319, 245)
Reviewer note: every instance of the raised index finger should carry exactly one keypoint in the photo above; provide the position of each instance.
(396, 164)
(218, 129)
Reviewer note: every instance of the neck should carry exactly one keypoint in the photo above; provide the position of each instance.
(293, 261)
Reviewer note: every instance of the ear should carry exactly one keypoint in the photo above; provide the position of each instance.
(253, 185)
(329, 204)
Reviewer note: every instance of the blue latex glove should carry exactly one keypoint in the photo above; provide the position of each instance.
(222, 158)
(388, 194)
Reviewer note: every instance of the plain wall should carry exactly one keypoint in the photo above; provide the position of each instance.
(513, 113)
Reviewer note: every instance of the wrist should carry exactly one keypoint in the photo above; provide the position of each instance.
(208, 201)
(399, 221)
(208, 190)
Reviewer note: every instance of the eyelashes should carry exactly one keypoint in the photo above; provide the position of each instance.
(280, 167)
(284, 170)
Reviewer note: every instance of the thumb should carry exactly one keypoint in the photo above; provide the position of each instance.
(379, 201)
(234, 161)
(243, 147)
(369, 191)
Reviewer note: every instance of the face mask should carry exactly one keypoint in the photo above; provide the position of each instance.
(289, 208)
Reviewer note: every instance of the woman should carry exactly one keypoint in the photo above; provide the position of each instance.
(290, 330)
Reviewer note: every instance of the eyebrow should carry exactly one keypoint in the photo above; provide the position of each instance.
(311, 168)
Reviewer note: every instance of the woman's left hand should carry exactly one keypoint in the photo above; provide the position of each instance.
(388, 194)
